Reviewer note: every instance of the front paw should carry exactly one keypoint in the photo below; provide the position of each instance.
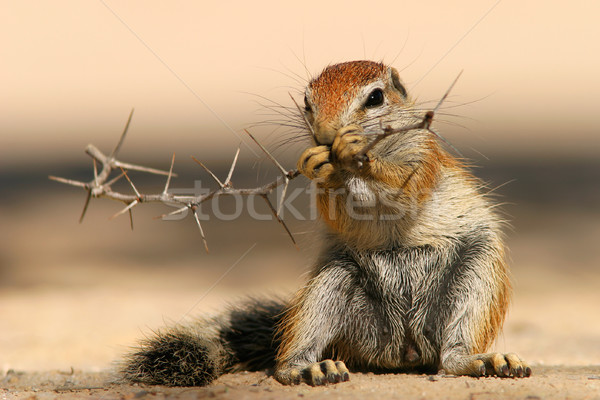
(316, 374)
(348, 143)
(315, 163)
(489, 364)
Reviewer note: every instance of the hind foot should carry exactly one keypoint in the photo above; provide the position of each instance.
(316, 374)
(489, 364)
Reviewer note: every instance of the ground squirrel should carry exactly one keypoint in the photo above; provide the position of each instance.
(411, 277)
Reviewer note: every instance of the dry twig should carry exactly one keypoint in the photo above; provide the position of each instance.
(100, 185)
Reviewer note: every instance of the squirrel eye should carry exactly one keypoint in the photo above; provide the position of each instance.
(375, 98)
(306, 105)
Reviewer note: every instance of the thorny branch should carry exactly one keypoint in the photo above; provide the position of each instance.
(100, 185)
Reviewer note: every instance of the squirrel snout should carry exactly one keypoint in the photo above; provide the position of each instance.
(325, 132)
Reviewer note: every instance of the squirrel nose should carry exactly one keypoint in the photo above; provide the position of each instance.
(325, 132)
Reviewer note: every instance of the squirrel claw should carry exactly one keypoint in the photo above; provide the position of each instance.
(492, 364)
(315, 374)
(315, 163)
(348, 143)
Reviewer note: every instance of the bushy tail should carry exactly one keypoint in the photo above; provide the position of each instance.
(243, 338)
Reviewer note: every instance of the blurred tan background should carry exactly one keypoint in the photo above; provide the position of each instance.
(525, 110)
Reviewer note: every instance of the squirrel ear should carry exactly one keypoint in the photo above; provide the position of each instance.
(396, 81)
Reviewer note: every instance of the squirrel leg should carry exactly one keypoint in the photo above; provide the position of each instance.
(477, 314)
(309, 326)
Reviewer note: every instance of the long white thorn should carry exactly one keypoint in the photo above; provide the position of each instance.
(117, 148)
(170, 175)
(447, 92)
(133, 167)
(209, 171)
(201, 230)
(283, 171)
(113, 180)
(68, 181)
(283, 193)
(235, 158)
(85, 206)
(178, 211)
(274, 212)
(131, 183)
(123, 211)
(95, 172)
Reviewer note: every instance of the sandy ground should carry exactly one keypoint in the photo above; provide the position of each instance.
(73, 298)
(547, 383)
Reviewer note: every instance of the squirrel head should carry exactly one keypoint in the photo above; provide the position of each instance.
(365, 93)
